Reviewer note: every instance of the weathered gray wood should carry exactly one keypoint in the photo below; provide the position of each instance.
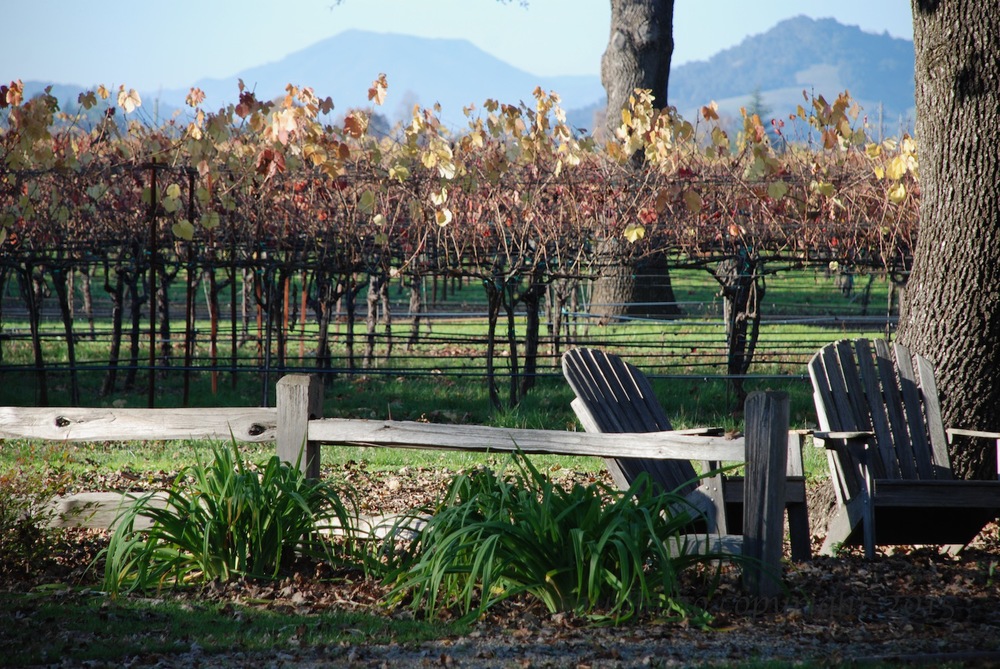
(408, 434)
(763, 513)
(894, 485)
(613, 396)
(876, 408)
(941, 461)
(299, 400)
(956, 494)
(95, 424)
(795, 499)
(913, 408)
(893, 399)
(98, 510)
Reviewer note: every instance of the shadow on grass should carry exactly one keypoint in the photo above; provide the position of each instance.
(42, 628)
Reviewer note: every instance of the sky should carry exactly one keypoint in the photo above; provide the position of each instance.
(151, 45)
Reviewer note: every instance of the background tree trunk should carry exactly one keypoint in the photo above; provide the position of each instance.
(631, 287)
(638, 54)
(958, 329)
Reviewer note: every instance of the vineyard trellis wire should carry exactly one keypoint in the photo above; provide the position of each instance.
(518, 205)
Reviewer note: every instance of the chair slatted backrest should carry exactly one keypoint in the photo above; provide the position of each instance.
(868, 386)
(614, 396)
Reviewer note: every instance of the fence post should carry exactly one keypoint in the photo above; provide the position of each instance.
(299, 399)
(766, 441)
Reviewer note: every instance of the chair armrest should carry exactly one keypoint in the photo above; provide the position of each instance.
(958, 432)
(841, 436)
(978, 434)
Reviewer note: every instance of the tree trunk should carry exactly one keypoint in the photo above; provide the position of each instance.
(631, 287)
(743, 291)
(638, 54)
(951, 312)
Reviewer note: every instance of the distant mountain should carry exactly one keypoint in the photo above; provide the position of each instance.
(419, 70)
(821, 56)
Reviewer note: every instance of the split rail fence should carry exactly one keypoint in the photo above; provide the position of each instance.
(298, 430)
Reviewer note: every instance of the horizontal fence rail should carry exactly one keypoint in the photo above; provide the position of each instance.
(296, 428)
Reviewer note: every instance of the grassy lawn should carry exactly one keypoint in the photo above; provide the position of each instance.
(440, 381)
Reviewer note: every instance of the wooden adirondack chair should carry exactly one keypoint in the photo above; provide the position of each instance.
(888, 451)
(613, 396)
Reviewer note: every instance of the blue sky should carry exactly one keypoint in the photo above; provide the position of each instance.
(148, 45)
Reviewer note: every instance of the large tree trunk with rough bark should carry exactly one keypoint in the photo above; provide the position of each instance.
(951, 313)
(638, 56)
(631, 287)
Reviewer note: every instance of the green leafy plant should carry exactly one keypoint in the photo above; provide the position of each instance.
(594, 550)
(225, 520)
(26, 490)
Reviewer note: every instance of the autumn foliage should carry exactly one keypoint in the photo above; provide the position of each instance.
(517, 198)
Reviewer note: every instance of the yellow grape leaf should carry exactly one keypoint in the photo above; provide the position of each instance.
(378, 219)
(174, 191)
(440, 197)
(710, 112)
(103, 92)
(367, 202)
(183, 229)
(399, 172)
(777, 190)
(823, 188)
(719, 137)
(834, 265)
(896, 169)
(443, 217)
(634, 233)
(171, 204)
(897, 193)
(378, 89)
(129, 101)
(879, 172)
(447, 169)
(692, 199)
(873, 150)
(210, 220)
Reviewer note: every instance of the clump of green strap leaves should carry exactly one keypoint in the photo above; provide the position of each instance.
(591, 549)
(228, 519)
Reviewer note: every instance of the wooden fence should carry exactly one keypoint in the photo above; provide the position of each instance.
(298, 429)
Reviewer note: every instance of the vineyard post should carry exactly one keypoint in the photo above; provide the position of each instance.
(152, 283)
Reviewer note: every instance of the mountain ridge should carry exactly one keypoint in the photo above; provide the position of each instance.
(799, 53)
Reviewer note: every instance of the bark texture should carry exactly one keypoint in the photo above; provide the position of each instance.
(951, 314)
(631, 287)
(638, 54)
